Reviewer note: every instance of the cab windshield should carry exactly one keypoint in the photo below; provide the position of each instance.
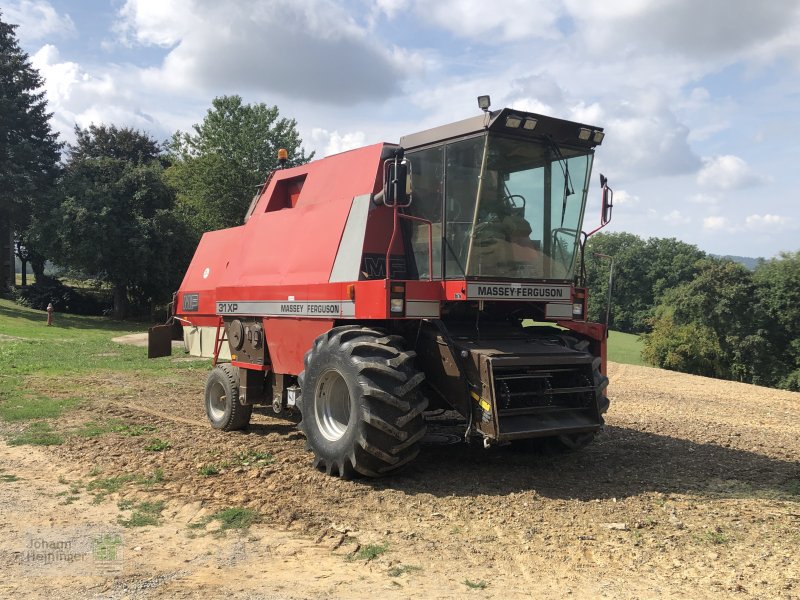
(500, 207)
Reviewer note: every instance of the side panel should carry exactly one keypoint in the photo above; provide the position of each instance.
(289, 340)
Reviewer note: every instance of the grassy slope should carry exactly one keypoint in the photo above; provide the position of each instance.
(625, 348)
(73, 347)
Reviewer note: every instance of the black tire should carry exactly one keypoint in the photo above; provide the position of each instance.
(576, 441)
(360, 405)
(223, 408)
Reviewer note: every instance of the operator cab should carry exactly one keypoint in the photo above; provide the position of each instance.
(505, 193)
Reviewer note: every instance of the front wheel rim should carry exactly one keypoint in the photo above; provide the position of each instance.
(332, 406)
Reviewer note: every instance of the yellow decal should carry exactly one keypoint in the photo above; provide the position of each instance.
(481, 402)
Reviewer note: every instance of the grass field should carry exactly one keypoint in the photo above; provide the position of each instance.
(625, 348)
(41, 367)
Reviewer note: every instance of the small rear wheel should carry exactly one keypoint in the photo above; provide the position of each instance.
(361, 410)
(223, 408)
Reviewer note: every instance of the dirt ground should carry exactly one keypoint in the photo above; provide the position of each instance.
(692, 491)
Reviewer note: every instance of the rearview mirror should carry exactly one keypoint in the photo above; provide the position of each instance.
(608, 200)
(397, 181)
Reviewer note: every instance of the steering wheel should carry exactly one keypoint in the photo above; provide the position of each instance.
(512, 200)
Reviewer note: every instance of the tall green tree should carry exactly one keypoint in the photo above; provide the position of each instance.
(29, 149)
(644, 270)
(714, 325)
(116, 220)
(778, 283)
(218, 167)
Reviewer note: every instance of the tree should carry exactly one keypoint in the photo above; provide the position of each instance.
(778, 283)
(29, 150)
(643, 271)
(219, 167)
(714, 325)
(116, 220)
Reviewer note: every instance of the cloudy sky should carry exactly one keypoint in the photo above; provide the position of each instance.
(700, 99)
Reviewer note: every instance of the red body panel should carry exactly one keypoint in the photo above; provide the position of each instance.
(290, 339)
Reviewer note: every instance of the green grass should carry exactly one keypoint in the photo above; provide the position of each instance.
(38, 433)
(61, 358)
(370, 552)
(26, 407)
(253, 457)
(475, 585)
(7, 478)
(208, 470)
(625, 348)
(144, 514)
(403, 569)
(157, 445)
(715, 536)
(236, 517)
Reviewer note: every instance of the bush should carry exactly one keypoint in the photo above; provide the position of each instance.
(65, 299)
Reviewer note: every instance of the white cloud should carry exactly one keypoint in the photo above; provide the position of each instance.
(716, 224)
(675, 217)
(391, 7)
(155, 22)
(309, 49)
(727, 172)
(768, 222)
(487, 22)
(697, 30)
(37, 19)
(332, 142)
(623, 198)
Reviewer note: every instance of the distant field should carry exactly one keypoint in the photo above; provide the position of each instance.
(625, 348)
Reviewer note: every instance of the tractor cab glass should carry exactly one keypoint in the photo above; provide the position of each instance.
(501, 207)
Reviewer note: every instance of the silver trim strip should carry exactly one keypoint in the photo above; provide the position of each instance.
(422, 308)
(558, 311)
(317, 309)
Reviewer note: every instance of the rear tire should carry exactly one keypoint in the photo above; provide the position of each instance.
(223, 408)
(360, 406)
(576, 441)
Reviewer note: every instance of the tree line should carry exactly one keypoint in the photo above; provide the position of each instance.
(117, 205)
(700, 314)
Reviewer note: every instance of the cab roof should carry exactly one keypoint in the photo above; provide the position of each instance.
(512, 122)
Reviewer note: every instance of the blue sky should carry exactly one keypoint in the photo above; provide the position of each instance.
(700, 100)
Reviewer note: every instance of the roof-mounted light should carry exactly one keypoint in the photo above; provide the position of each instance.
(598, 137)
(584, 134)
(513, 121)
(529, 124)
(484, 102)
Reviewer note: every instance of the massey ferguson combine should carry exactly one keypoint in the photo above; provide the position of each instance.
(370, 287)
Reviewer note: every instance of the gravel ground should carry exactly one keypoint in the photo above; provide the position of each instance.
(692, 490)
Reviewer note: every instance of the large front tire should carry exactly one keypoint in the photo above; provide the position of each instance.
(361, 410)
(223, 408)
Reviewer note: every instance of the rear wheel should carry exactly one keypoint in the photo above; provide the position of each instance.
(223, 408)
(361, 410)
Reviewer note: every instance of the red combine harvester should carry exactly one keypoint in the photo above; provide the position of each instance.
(371, 286)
